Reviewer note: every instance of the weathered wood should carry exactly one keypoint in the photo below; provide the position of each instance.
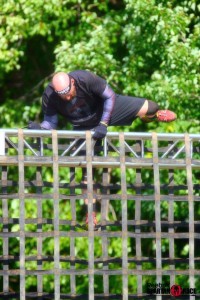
(146, 154)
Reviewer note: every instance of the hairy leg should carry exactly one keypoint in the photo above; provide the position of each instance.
(150, 111)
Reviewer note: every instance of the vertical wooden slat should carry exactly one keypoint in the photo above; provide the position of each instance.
(138, 230)
(124, 217)
(72, 239)
(39, 227)
(90, 211)
(191, 210)
(5, 213)
(22, 212)
(138, 243)
(5, 229)
(171, 221)
(56, 216)
(2, 143)
(104, 212)
(39, 216)
(157, 210)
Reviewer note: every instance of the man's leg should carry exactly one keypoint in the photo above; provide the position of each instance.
(150, 112)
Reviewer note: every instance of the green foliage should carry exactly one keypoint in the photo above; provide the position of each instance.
(164, 54)
(20, 20)
(142, 48)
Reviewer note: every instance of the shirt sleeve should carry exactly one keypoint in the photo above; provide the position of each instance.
(50, 122)
(109, 101)
(100, 88)
(48, 98)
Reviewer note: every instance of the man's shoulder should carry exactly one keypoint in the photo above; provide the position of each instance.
(80, 74)
(86, 77)
(49, 94)
(49, 89)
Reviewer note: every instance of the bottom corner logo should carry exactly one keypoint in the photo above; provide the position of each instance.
(176, 290)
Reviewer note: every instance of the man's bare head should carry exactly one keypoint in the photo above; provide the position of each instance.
(64, 86)
(60, 81)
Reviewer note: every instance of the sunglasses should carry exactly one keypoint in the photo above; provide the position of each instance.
(64, 91)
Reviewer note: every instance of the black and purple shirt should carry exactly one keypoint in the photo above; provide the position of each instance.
(93, 103)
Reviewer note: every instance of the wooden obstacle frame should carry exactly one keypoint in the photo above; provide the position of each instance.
(147, 167)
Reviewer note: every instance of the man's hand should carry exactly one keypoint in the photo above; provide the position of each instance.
(100, 131)
(33, 125)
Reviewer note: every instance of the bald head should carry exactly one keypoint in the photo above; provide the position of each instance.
(60, 81)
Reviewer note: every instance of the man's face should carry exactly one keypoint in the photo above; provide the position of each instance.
(70, 93)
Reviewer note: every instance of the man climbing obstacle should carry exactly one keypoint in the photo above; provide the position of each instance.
(88, 102)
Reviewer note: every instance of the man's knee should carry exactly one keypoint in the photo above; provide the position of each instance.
(153, 107)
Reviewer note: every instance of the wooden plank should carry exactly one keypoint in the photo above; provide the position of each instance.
(2, 143)
(105, 242)
(72, 239)
(191, 211)
(171, 221)
(138, 242)
(100, 162)
(39, 226)
(124, 218)
(22, 213)
(5, 229)
(89, 151)
(157, 210)
(56, 216)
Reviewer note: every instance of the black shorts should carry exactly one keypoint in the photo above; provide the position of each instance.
(125, 110)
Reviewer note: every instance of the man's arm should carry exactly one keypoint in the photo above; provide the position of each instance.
(50, 122)
(109, 101)
(50, 114)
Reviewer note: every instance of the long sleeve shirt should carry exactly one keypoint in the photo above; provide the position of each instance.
(94, 102)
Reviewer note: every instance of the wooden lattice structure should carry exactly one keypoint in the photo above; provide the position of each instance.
(150, 168)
